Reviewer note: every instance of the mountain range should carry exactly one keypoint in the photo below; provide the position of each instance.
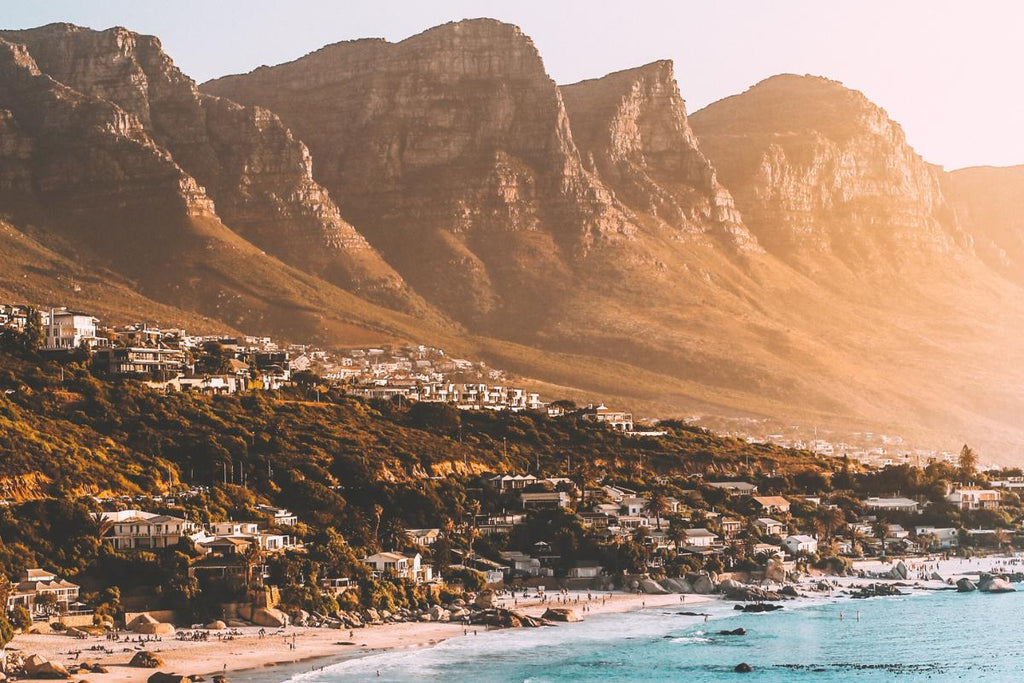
(783, 253)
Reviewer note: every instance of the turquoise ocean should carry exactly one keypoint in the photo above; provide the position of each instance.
(927, 636)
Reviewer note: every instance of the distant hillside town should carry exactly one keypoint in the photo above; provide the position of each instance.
(170, 359)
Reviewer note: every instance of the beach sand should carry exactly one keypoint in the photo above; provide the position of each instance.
(249, 651)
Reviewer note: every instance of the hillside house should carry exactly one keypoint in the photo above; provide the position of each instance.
(138, 530)
(975, 499)
(770, 527)
(35, 583)
(404, 565)
(892, 504)
(772, 504)
(800, 543)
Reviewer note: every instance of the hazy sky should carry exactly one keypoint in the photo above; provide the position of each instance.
(950, 72)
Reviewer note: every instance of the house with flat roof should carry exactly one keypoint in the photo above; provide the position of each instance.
(770, 527)
(975, 499)
(892, 504)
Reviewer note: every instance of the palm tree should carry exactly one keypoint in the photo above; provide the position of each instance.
(253, 557)
(676, 530)
(968, 462)
(658, 506)
(828, 521)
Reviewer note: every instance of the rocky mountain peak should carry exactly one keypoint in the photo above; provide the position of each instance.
(817, 170)
(257, 172)
(455, 140)
(632, 130)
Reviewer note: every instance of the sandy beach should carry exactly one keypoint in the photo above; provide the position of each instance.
(250, 651)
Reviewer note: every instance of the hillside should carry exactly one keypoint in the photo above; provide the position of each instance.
(781, 254)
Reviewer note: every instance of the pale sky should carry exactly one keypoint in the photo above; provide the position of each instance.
(950, 72)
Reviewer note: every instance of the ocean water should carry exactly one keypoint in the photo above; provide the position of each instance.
(928, 636)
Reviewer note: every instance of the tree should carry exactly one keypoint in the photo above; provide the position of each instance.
(658, 506)
(828, 520)
(968, 462)
(20, 618)
(46, 603)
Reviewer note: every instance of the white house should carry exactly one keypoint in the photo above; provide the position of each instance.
(545, 499)
(35, 583)
(975, 499)
(405, 566)
(700, 538)
(800, 543)
(943, 537)
(65, 330)
(895, 504)
(770, 527)
(424, 537)
(135, 530)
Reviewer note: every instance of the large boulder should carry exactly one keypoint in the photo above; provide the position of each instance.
(484, 599)
(37, 666)
(899, 571)
(651, 586)
(217, 625)
(703, 585)
(269, 616)
(161, 677)
(965, 585)
(566, 614)
(988, 583)
(146, 660)
(158, 629)
(141, 620)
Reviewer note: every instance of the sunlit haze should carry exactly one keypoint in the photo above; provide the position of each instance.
(947, 71)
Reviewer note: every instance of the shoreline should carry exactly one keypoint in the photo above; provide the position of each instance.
(248, 655)
(271, 659)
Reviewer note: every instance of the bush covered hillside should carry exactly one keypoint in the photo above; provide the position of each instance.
(360, 475)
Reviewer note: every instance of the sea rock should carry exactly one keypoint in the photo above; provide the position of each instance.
(161, 677)
(743, 668)
(935, 576)
(566, 614)
(988, 583)
(37, 666)
(146, 660)
(965, 585)
(734, 632)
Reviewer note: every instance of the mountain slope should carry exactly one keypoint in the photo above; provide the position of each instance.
(826, 180)
(249, 164)
(95, 187)
(990, 204)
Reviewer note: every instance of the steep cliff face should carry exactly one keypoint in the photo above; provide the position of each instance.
(819, 171)
(990, 205)
(258, 175)
(96, 188)
(632, 131)
(452, 152)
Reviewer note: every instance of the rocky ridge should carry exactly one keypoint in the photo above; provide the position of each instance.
(819, 171)
(258, 176)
